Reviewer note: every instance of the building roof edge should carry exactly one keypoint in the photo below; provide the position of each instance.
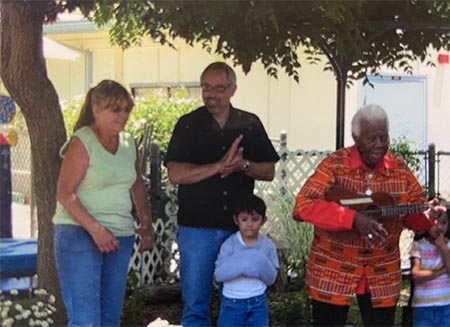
(70, 27)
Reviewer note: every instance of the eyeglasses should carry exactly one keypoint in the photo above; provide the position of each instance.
(118, 110)
(218, 88)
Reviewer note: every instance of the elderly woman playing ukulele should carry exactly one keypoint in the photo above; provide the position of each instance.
(359, 200)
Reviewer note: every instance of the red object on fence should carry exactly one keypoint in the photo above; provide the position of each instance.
(3, 140)
(443, 58)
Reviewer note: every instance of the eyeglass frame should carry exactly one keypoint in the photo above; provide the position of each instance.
(118, 110)
(217, 89)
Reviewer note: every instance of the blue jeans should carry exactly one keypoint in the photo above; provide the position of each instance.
(199, 249)
(244, 312)
(438, 316)
(92, 283)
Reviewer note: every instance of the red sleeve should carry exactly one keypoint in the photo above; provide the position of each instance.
(3, 140)
(312, 207)
(326, 215)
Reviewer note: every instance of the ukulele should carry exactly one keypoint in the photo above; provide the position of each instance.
(380, 206)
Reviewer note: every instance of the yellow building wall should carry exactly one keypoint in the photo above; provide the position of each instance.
(68, 77)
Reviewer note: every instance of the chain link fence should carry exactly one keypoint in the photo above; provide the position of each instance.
(21, 167)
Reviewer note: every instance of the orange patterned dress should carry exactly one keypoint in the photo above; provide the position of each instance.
(341, 263)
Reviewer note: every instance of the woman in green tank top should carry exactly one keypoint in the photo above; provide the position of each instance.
(94, 230)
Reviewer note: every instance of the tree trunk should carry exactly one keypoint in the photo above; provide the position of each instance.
(340, 108)
(340, 70)
(24, 73)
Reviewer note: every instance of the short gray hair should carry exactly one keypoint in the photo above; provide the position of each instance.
(219, 65)
(368, 113)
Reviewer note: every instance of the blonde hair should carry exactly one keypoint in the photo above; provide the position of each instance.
(106, 94)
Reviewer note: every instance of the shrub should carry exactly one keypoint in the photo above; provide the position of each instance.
(296, 235)
(162, 113)
(71, 111)
(135, 303)
(405, 149)
(289, 309)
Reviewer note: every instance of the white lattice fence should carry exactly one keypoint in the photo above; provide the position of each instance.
(146, 264)
(291, 173)
(160, 264)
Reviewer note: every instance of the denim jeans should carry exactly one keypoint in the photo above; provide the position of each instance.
(92, 283)
(438, 316)
(244, 312)
(199, 249)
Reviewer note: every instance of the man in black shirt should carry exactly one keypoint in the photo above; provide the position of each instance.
(215, 155)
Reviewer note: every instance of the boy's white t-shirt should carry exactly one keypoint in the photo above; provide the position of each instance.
(243, 287)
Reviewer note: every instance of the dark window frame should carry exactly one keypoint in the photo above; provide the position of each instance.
(193, 88)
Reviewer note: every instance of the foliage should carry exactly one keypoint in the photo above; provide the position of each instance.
(361, 36)
(71, 111)
(35, 310)
(285, 308)
(297, 236)
(354, 35)
(289, 309)
(161, 113)
(357, 38)
(133, 313)
(404, 149)
(157, 110)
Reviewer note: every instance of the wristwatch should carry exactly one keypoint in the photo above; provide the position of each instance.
(246, 166)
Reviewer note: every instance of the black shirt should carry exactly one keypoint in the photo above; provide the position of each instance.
(198, 139)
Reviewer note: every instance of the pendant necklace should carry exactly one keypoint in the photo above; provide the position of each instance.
(369, 178)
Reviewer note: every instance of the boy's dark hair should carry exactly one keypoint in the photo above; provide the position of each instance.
(250, 203)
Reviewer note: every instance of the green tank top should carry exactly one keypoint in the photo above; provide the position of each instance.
(105, 189)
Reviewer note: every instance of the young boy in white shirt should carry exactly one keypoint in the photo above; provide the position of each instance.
(247, 264)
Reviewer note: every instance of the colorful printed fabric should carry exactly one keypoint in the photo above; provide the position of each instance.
(341, 262)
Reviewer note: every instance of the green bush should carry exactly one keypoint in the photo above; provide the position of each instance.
(405, 149)
(297, 236)
(135, 303)
(162, 113)
(289, 309)
(141, 307)
(71, 111)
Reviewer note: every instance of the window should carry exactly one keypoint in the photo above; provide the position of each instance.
(147, 90)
